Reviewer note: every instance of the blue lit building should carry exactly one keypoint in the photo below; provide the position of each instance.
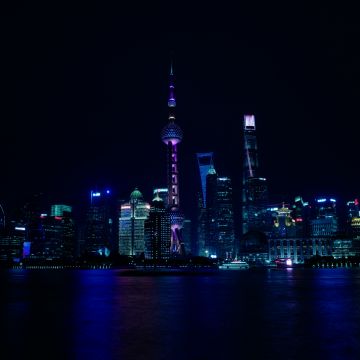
(163, 193)
(100, 226)
(12, 239)
(218, 219)
(323, 225)
(205, 163)
(353, 218)
(348, 243)
(305, 230)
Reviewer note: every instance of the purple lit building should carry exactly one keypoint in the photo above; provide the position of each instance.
(172, 135)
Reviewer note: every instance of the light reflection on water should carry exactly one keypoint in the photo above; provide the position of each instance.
(256, 314)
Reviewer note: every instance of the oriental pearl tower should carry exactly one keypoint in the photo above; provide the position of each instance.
(172, 135)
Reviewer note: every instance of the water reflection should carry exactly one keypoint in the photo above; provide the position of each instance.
(98, 314)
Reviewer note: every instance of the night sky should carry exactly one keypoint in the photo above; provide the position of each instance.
(85, 99)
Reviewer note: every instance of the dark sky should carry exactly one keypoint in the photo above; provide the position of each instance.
(85, 99)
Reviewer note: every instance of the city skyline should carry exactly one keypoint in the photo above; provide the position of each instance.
(91, 272)
(86, 112)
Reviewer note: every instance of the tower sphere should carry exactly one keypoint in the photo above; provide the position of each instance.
(171, 132)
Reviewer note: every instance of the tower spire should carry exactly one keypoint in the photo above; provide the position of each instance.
(172, 135)
(172, 100)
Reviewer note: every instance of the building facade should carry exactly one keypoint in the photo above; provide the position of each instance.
(132, 225)
(254, 188)
(100, 224)
(157, 229)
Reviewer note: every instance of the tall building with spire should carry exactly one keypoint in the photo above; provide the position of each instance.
(172, 135)
(254, 188)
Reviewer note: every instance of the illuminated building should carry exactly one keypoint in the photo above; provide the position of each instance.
(324, 224)
(219, 219)
(172, 135)
(205, 162)
(42, 237)
(58, 210)
(283, 241)
(34, 231)
(100, 227)
(211, 237)
(284, 224)
(132, 225)
(157, 231)
(348, 244)
(163, 193)
(12, 239)
(59, 234)
(225, 219)
(305, 231)
(254, 188)
(353, 218)
(187, 237)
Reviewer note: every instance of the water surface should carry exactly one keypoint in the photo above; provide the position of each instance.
(253, 314)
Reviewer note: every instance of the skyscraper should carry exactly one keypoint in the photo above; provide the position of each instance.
(172, 135)
(205, 163)
(219, 228)
(211, 238)
(157, 232)
(225, 218)
(131, 225)
(254, 188)
(59, 233)
(99, 227)
(163, 194)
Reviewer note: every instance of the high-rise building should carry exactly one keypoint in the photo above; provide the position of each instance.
(59, 209)
(100, 224)
(205, 162)
(157, 231)
(187, 237)
(59, 234)
(132, 225)
(163, 194)
(254, 188)
(353, 218)
(211, 234)
(219, 217)
(12, 240)
(172, 135)
(325, 220)
(225, 218)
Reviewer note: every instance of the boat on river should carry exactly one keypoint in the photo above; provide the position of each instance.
(283, 263)
(234, 265)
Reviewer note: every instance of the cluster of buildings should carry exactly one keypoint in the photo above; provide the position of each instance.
(158, 230)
